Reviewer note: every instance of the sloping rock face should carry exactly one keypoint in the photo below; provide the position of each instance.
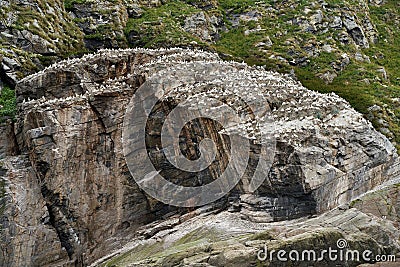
(73, 177)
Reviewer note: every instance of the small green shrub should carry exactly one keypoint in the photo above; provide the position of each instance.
(7, 103)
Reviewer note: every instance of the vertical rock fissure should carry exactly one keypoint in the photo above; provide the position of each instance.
(58, 219)
(59, 216)
(98, 115)
(13, 149)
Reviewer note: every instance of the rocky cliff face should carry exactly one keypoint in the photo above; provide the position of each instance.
(70, 198)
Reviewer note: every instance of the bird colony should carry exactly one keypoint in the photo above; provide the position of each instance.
(292, 112)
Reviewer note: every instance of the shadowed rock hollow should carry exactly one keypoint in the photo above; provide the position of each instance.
(70, 198)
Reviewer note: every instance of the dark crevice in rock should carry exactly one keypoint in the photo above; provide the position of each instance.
(98, 115)
(105, 153)
(6, 79)
(357, 36)
(13, 149)
(59, 218)
(42, 168)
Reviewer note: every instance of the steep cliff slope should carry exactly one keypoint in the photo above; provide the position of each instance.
(72, 195)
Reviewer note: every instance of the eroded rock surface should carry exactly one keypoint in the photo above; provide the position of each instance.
(79, 193)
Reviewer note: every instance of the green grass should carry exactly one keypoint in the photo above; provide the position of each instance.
(387, 49)
(8, 103)
(238, 6)
(95, 36)
(237, 44)
(69, 4)
(356, 93)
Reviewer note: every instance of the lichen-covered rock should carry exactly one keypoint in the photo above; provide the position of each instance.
(70, 124)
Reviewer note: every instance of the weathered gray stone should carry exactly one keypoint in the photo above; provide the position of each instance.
(356, 32)
(382, 73)
(317, 18)
(336, 23)
(203, 26)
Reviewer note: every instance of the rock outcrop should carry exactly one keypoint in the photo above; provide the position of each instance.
(70, 197)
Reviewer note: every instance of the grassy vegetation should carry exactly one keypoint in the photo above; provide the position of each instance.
(69, 4)
(161, 26)
(95, 36)
(237, 6)
(7, 103)
(355, 92)
(237, 44)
